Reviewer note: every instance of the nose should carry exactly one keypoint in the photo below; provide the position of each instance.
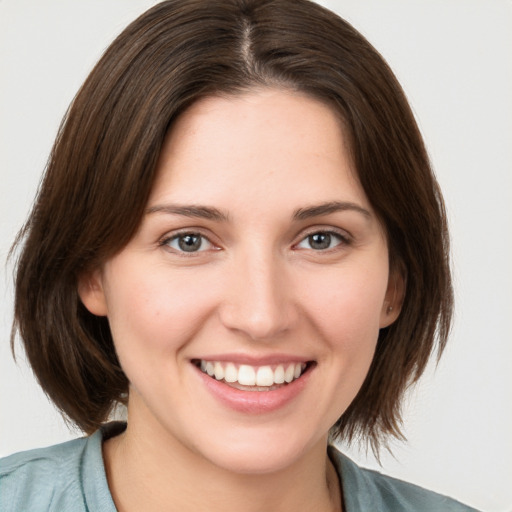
(258, 299)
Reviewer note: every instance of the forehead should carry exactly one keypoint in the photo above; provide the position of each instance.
(259, 144)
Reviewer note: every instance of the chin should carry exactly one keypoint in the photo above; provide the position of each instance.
(260, 454)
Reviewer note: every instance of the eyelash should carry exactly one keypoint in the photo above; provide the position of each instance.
(166, 242)
(343, 239)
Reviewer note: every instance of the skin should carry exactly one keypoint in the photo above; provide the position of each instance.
(257, 287)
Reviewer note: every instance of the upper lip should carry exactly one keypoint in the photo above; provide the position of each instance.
(254, 360)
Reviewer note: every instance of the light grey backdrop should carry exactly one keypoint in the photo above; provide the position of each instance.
(454, 60)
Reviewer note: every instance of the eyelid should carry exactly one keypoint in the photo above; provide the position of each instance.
(170, 236)
(345, 236)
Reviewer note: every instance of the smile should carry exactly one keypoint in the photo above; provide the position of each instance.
(252, 378)
(262, 387)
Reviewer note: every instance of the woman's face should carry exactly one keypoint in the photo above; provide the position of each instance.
(259, 259)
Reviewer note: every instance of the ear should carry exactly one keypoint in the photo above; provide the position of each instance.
(394, 298)
(91, 292)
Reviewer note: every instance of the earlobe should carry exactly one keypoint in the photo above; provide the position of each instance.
(393, 301)
(91, 293)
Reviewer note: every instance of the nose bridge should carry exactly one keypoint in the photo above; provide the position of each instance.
(258, 301)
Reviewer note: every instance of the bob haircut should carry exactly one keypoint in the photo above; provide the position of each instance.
(102, 168)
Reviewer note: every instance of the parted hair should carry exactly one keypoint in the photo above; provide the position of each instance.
(102, 168)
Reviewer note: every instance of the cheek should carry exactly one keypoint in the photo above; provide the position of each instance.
(341, 310)
(152, 315)
(346, 305)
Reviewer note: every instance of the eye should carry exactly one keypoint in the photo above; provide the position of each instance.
(188, 242)
(322, 240)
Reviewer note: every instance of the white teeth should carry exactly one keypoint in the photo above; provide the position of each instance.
(231, 373)
(289, 372)
(279, 375)
(219, 371)
(265, 376)
(246, 375)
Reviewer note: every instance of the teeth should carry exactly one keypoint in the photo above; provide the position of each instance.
(231, 373)
(219, 371)
(279, 375)
(289, 372)
(246, 375)
(265, 376)
(210, 368)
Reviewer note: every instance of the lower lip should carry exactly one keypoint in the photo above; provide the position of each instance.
(254, 402)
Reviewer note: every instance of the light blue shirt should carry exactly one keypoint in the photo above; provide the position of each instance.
(70, 477)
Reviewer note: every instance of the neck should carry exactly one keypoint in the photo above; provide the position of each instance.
(147, 474)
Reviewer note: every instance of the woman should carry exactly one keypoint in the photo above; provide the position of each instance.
(226, 240)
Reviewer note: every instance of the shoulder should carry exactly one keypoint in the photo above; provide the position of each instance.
(32, 480)
(55, 478)
(365, 489)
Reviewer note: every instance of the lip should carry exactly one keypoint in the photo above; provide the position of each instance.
(254, 360)
(254, 402)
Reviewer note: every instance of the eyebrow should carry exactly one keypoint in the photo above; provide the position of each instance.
(201, 212)
(211, 213)
(327, 208)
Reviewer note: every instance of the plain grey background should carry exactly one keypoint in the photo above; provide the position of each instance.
(454, 59)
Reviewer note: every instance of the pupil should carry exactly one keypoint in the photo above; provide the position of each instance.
(189, 243)
(320, 240)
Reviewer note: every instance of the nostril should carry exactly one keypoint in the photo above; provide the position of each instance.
(256, 302)
(262, 325)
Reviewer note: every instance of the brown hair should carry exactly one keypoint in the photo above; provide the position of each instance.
(102, 167)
